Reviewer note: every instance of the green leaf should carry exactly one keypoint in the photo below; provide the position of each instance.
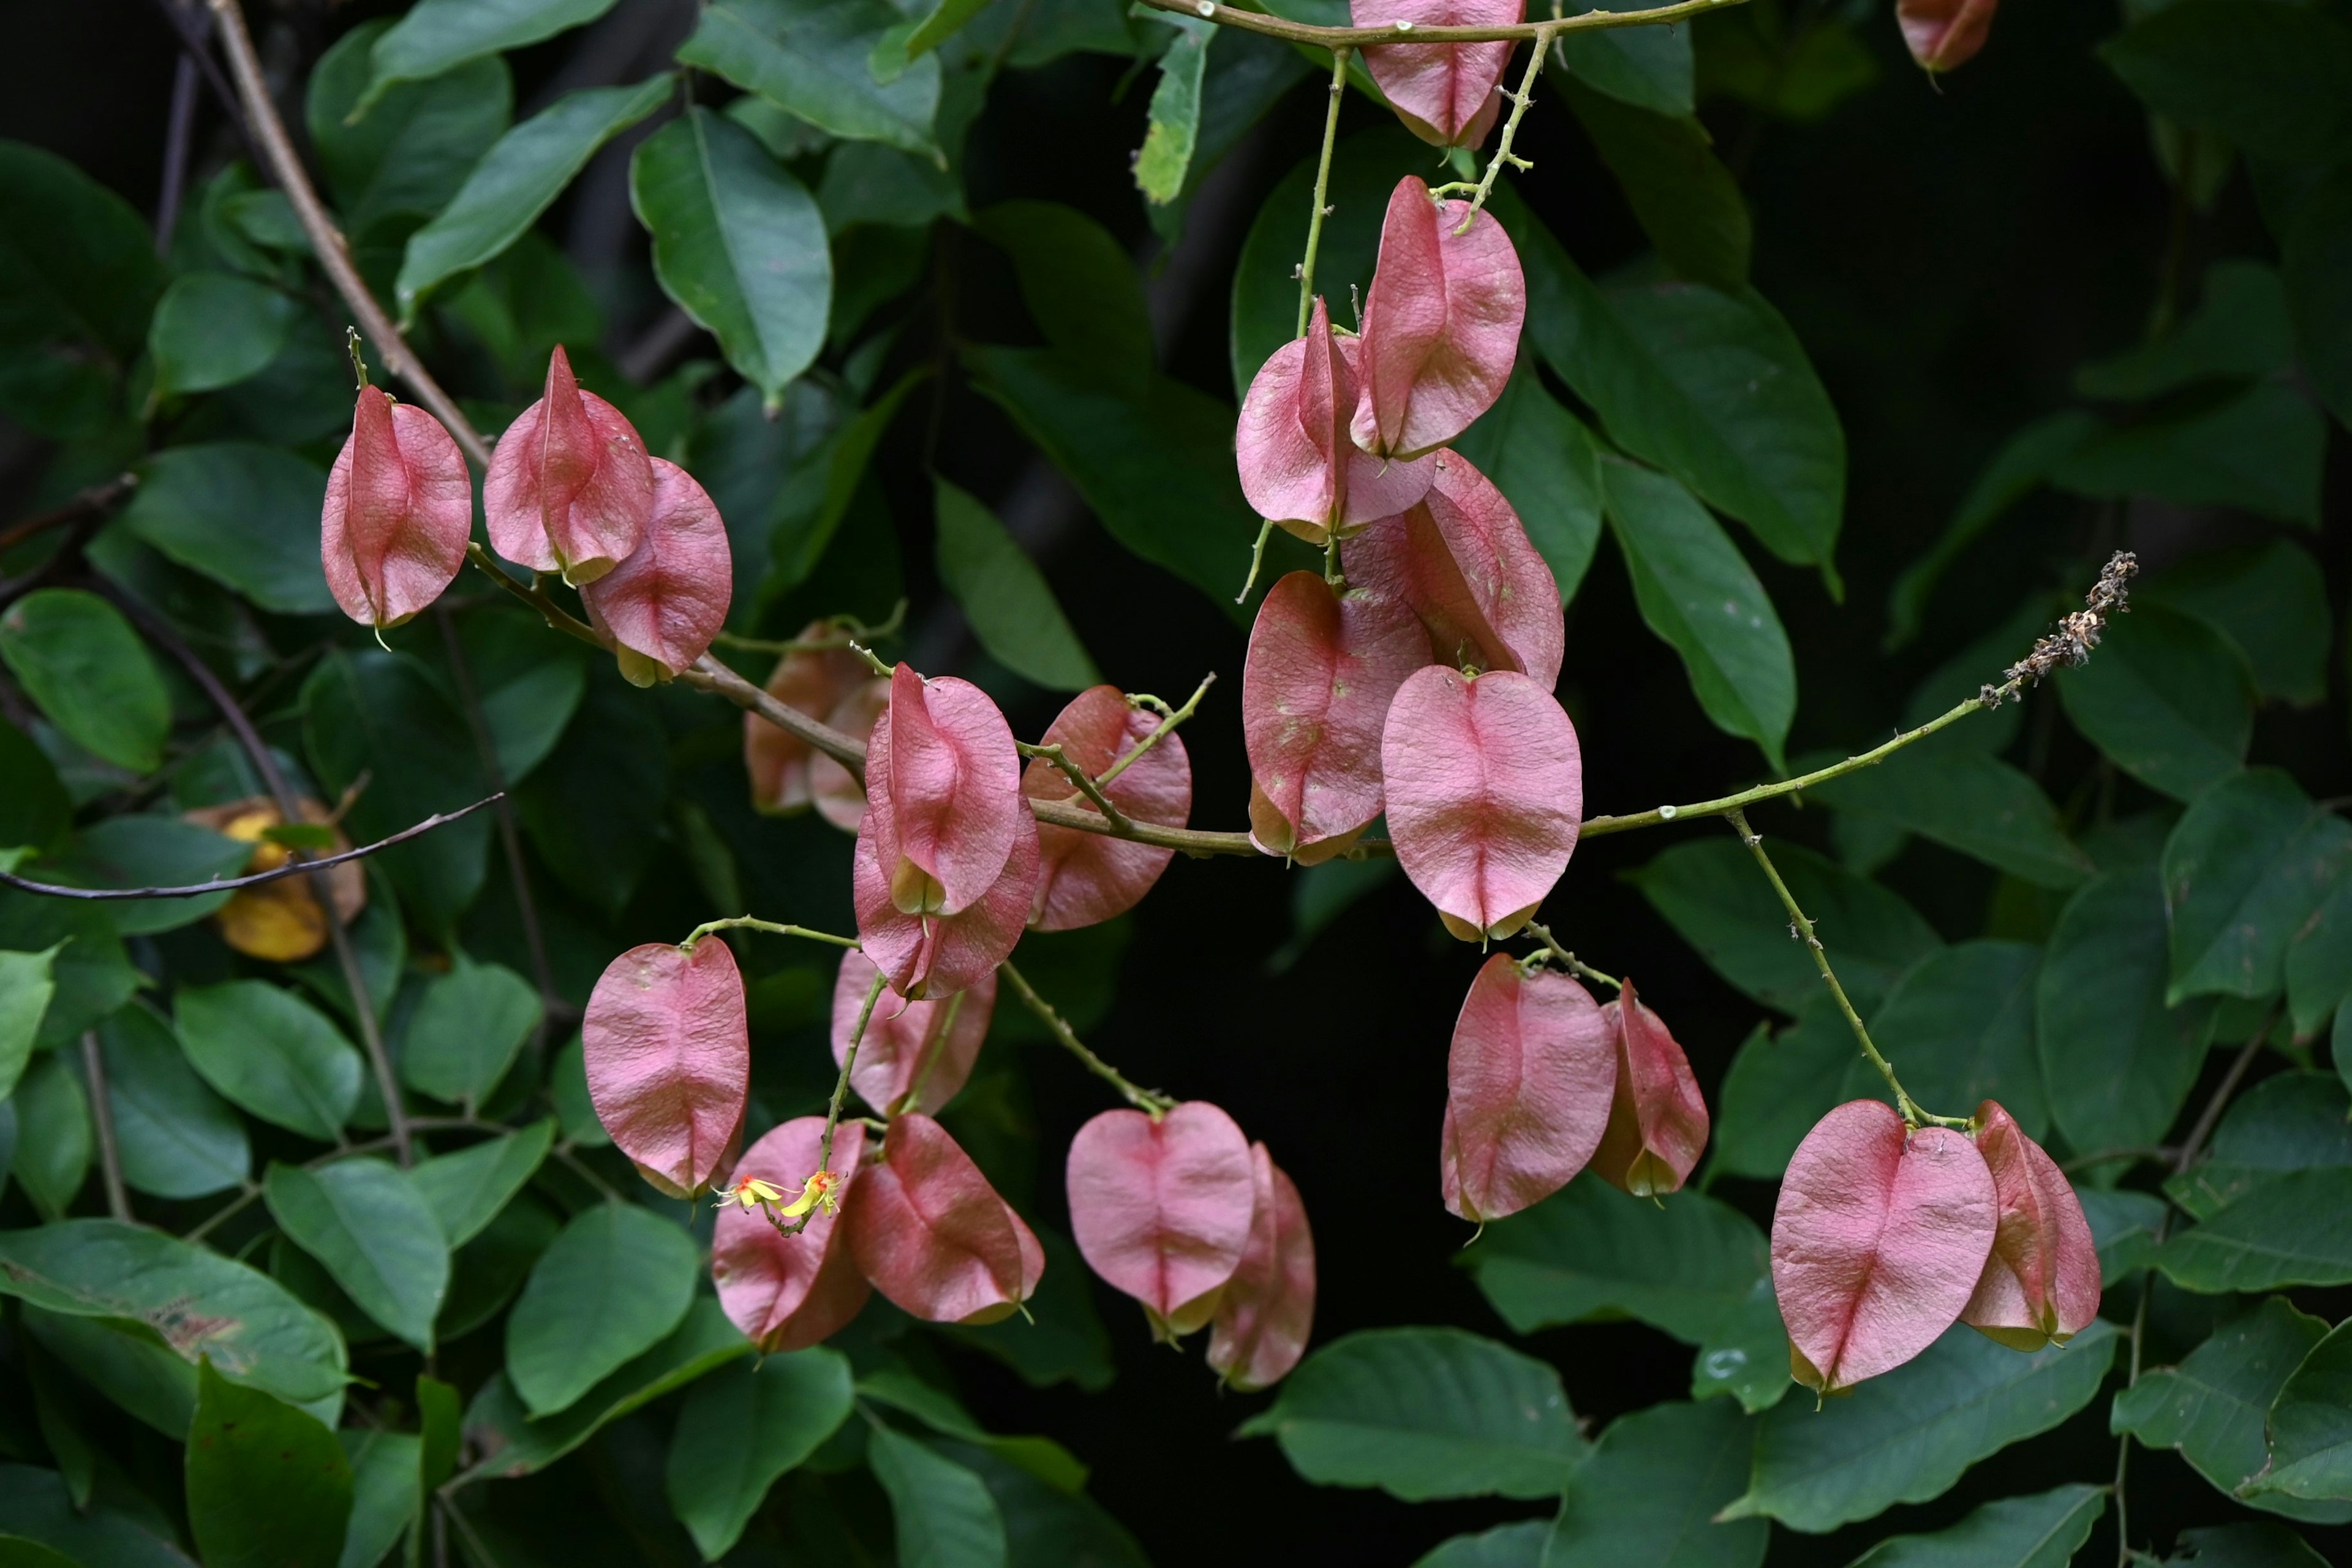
(82, 666)
(1698, 594)
(615, 1284)
(2295, 1122)
(1011, 608)
(2310, 1428)
(1907, 1436)
(2044, 1530)
(1650, 1492)
(1265, 313)
(1082, 288)
(2269, 79)
(595, 810)
(1175, 115)
(466, 1029)
(2210, 1408)
(2239, 330)
(438, 35)
(1068, 1343)
(149, 851)
(1042, 1523)
(271, 1053)
(2261, 448)
(2126, 1226)
(54, 1136)
(1780, 1085)
(809, 56)
(91, 972)
(2165, 699)
(741, 1429)
(568, 1088)
(940, 23)
(1747, 1357)
(1423, 1413)
(935, 1408)
(1961, 1025)
(241, 513)
(1519, 1545)
(37, 1507)
(2296, 1229)
(1649, 67)
(1590, 1251)
(384, 1492)
(489, 1271)
(2267, 601)
(529, 684)
(738, 242)
(1967, 801)
(79, 278)
(2261, 1545)
(1683, 196)
(517, 179)
(267, 1486)
(178, 1139)
(2250, 861)
(215, 329)
(467, 1190)
(2319, 966)
(418, 141)
(1548, 466)
(2319, 257)
(945, 1516)
(35, 809)
(26, 987)
(127, 1362)
(375, 1235)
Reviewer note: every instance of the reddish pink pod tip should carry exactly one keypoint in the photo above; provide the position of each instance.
(399, 509)
(788, 1292)
(943, 792)
(930, 956)
(2041, 1284)
(1085, 879)
(1266, 1312)
(1878, 1239)
(1441, 324)
(934, 1237)
(1657, 1117)
(1944, 35)
(1299, 466)
(814, 682)
(1485, 793)
(840, 795)
(1528, 1085)
(668, 1054)
(664, 602)
(570, 488)
(1446, 94)
(914, 1055)
(1161, 1209)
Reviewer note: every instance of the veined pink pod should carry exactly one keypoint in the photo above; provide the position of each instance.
(1266, 1312)
(813, 682)
(840, 798)
(1878, 1238)
(570, 488)
(1446, 94)
(1657, 1117)
(930, 956)
(788, 1292)
(1298, 465)
(399, 510)
(934, 1237)
(1441, 324)
(664, 602)
(1085, 879)
(1485, 793)
(1528, 1088)
(943, 792)
(1463, 562)
(914, 1055)
(2041, 1284)
(1944, 35)
(1161, 1209)
(1322, 667)
(668, 1052)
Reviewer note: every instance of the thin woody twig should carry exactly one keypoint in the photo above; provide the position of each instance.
(1522, 101)
(1573, 964)
(101, 1115)
(1150, 1102)
(91, 502)
(1414, 33)
(1082, 781)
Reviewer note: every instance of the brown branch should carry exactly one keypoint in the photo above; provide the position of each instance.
(92, 502)
(1412, 33)
(101, 1115)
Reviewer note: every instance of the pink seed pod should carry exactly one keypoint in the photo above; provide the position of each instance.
(931, 956)
(934, 1237)
(1446, 94)
(1485, 793)
(914, 1055)
(1657, 1117)
(1085, 879)
(813, 682)
(788, 1292)
(1878, 1242)
(668, 1053)
(664, 602)
(840, 798)
(1321, 670)
(2041, 1284)
(1161, 1209)
(1298, 465)
(943, 794)
(1944, 35)
(1267, 1312)
(1464, 563)
(399, 510)
(1528, 1083)
(1441, 324)
(570, 488)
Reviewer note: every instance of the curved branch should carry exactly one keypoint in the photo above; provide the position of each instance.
(1412, 33)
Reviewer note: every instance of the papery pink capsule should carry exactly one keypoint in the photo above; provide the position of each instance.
(1463, 563)
(1085, 879)
(570, 488)
(788, 1292)
(2041, 1285)
(943, 792)
(930, 956)
(914, 1055)
(399, 510)
(1878, 1238)
(1300, 467)
(1161, 1209)
(1528, 1081)
(813, 681)
(1322, 667)
(1657, 1117)
(668, 1053)
(664, 603)
(1266, 1312)
(840, 798)
(934, 1237)
(1485, 793)
(1441, 326)
(1446, 94)
(1944, 35)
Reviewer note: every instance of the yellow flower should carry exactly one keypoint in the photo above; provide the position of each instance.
(820, 1188)
(751, 1192)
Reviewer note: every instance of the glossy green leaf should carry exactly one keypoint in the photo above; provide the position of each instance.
(594, 811)
(35, 809)
(36, 1506)
(271, 1053)
(215, 329)
(1043, 1523)
(413, 147)
(1779, 1085)
(1908, 1435)
(2296, 1229)
(2319, 965)
(178, 1139)
(1959, 1024)
(1746, 1356)
(1588, 1250)
(1519, 1545)
(2310, 1430)
(2127, 1226)
(268, 1487)
(1423, 1413)
(1650, 68)
(741, 1429)
(2261, 448)
(809, 56)
(55, 1139)
(614, 1284)
(243, 514)
(1683, 196)
(489, 1271)
(384, 1492)
(2238, 331)
(2267, 601)
(1081, 287)
(128, 1362)
(141, 850)
(90, 971)
(465, 1191)
(945, 1516)
(937, 1409)
(465, 1030)
(2250, 862)
(2165, 699)
(2261, 1545)
(374, 1233)
(2293, 1122)
(79, 661)
(1175, 125)
(1650, 1492)
(2318, 257)
(1964, 800)
(1548, 466)
(529, 684)
(1011, 607)
(438, 35)
(25, 986)
(2117, 1063)
(2271, 81)
(79, 278)
(1264, 315)
(2044, 1530)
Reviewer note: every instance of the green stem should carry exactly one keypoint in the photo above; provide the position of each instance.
(1520, 102)
(1574, 964)
(1169, 719)
(848, 629)
(750, 922)
(1150, 1103)
(1322, 194)
(1317, 38)
(1078, 777)
(531, 594)
(833, 1112)
(1258, 560)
